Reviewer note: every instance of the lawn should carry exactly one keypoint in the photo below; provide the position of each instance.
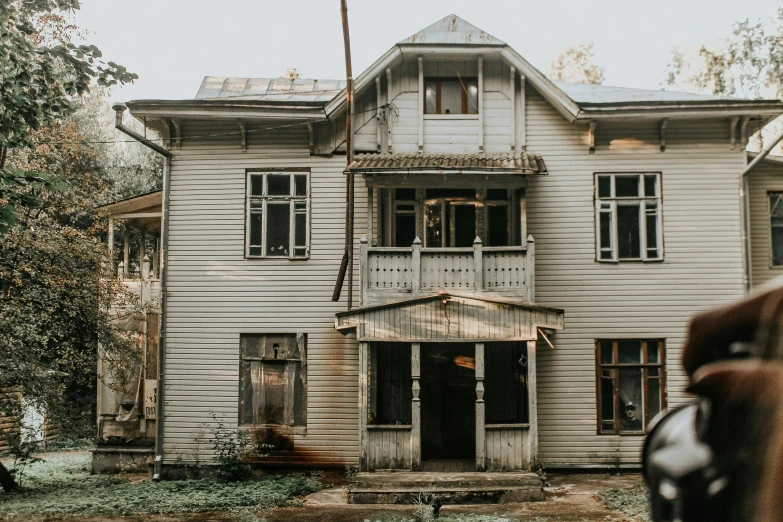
(62, 484)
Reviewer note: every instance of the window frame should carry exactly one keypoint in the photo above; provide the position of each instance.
(464, 107)
(301, 341)
(771, 243)
(607, 205)
(264, 200)
(616, 366)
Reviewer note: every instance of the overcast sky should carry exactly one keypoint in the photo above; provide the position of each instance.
(173, 44)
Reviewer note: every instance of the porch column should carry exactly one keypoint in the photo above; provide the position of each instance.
(364, 350)
(532, 403)
(126, 252)
(481, 444)
(416, 408)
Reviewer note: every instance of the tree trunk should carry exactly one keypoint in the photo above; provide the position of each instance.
(7, 480)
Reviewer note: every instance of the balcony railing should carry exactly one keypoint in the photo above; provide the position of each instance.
(392, 273)
(142, 282)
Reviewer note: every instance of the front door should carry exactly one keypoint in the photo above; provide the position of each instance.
(448, 402)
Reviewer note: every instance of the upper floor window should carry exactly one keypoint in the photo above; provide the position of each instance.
(776, 227)
(450, 96)
(631, 383)
(278, 208)
(628, 217)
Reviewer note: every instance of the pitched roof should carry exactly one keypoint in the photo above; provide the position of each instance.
(587, 93)
(452, 30)
(282, 90)
(519, 163)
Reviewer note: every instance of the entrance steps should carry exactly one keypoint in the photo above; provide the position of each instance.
(403, 487)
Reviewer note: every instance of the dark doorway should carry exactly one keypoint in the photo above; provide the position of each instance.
(448, 401)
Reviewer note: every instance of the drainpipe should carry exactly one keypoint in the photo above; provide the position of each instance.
(745, 208)
(119, 109)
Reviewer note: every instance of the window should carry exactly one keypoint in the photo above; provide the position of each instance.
(628, 217)
(390, 384)
(451, 96)
(278, 206)
(272, 379)
(776, 227)
(505, 383)
(631, 379)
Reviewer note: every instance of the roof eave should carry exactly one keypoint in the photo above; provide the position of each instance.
(445, 170)
(217, 109)
(683, 110)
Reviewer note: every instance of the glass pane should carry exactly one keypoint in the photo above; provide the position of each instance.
(256, 184)
(777, 246)
(472, 96)
(272, 401)
(405, 230)
(628, 236)
(604, 187)
(497, 227)
(254, 251)
(626, 186)
(654, 389)
(450, 97)
(607, 427)
(430, 97)
(629, 352)
(497, 194)
(407, 193)
(632, 407)
(652, 228)
(654, 372)
(277, 228)
(652, 352)
(607, 399)
(606, 352)
(278, 185)
(650, 185)
(300, 182)
(606, 255)
(464, 225)
(606, 230)
(300, 230)
(255, 228)
(300, 252)
(433, 215)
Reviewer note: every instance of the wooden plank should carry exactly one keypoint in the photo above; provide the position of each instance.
(364, 349)
(415, 435)
(532, 390)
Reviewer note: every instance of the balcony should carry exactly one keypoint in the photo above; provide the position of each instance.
(391, 274)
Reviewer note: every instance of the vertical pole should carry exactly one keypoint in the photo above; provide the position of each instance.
(126, 251)
(370, 214)
(530, 270)
(481, 443)
(378, 109)
(111, 237)
(480, 104)
(364, 271)
(521, 116)
(416, 407)
(421, 104)
(364, 349)
(389, 121)
(513, 96)
(142, 247)
(478, 266)
(532, 404)
(416, 267)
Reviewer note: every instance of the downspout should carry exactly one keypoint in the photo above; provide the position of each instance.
(119, 109)
(745, 210)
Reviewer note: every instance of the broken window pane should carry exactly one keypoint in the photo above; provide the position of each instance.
(497, 226)
(277, 228)
(628, 236)
(626, 186)
(278, 184)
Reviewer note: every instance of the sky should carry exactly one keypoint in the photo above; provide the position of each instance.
(173, 44)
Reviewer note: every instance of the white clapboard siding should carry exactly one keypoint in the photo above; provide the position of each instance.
(702, 264)
(215, 294)
(767, 177)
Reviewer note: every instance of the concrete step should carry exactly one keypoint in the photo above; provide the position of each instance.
(451, 488)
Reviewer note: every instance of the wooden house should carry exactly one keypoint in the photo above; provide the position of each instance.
(527, 254)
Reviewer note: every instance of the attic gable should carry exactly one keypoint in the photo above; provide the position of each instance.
(452, 30)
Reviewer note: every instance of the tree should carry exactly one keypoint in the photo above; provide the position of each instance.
(577, 64)
(40, 74)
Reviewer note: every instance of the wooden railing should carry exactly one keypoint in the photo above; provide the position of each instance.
(386, 272)
(143, 282)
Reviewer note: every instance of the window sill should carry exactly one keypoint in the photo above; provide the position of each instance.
(624, 434)
(389, 427)
(513, 426)
(451, 117)
(284, 258)
(621, 261)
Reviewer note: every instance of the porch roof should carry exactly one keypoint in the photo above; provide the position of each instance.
(452, 317)
(503, 162)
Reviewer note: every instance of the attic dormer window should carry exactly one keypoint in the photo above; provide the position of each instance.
(451, 96)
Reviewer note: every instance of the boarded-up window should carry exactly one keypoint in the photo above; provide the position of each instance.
(631, 385)
(390, 383)
(272, 379)
(505, 383)
(278, 209)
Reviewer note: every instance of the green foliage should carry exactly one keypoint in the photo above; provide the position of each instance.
(39, 79)
(64, 485)
(576, 64)
(22, 447)
(633, 501)
(233, 450)
(749, 63)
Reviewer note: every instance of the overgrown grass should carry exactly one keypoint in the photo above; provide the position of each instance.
(633, 501)
(64, 485)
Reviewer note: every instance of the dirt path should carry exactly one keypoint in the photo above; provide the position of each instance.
(570, 498)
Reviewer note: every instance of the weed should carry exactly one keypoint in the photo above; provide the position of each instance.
(22, 446)
(633, 501)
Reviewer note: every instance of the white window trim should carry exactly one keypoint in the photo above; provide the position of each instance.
(609, 206)
(265, 198)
